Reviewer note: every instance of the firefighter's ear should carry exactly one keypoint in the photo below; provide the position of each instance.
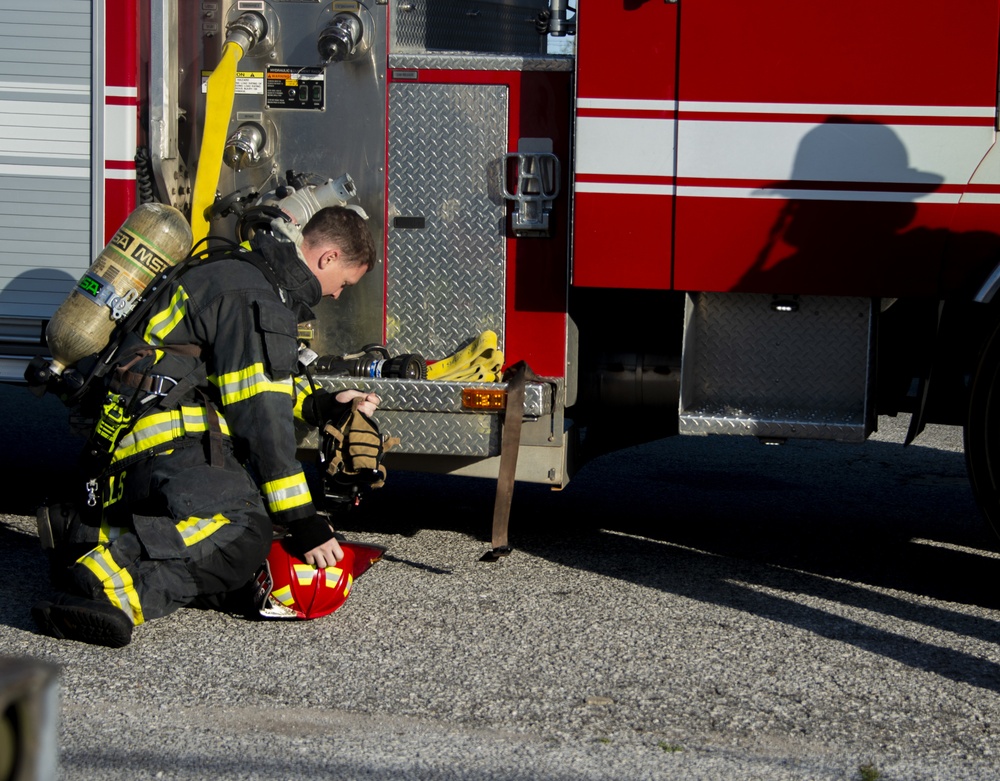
(329, 256)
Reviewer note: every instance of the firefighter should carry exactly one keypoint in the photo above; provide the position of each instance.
(205, 463)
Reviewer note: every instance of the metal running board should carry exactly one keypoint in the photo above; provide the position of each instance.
(777, 367)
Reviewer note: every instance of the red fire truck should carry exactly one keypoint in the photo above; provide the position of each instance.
(774, 219)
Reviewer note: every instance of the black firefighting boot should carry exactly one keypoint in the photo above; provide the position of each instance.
(56, 523)
(65, 534)
(69, 617)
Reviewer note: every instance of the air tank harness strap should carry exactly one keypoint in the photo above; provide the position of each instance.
(161, 386)
(155, 386)
(121, 409)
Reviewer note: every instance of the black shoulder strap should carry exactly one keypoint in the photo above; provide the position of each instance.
(256, 258)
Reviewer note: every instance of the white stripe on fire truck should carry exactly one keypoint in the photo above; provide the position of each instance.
(764, 158)
(758, 150)
(119, 141)
(44, 88)
(838, 109)
(625, 146)
(120, 92)
(860, 152)
(981, 197)
(60, 171)
(625, 188)
(886, 194)
(626, 105)
(619, 104)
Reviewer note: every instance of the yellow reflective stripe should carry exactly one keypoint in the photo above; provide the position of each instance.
(332, 576)
(151, 430)
(160, 427)
(304, 573)
(302, 385)
(117, 582)
(194, 530)
(287, 493)
(284, 596)
(195, 419)
(109, 533)
(248, 382)
(162, 323)
(303, 389)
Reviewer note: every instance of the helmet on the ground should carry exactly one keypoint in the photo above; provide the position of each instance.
(288, 587)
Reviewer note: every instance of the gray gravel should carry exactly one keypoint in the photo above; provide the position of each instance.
(688, 609)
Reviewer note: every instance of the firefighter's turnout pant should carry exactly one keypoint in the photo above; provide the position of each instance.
(175, 531)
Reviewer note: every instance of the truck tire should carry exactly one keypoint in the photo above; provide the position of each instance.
(982, 432)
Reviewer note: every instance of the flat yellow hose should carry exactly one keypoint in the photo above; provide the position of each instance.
(478, 362)
(221, 88)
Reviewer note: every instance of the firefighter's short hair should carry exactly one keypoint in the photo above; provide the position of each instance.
(347, 229)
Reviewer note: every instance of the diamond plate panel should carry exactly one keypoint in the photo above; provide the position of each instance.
(748, 369)
(463, 61)
(442, 434)
(428, 396)
(467, 25)
(428, 417)
(429, 433)
(446, 147)
(777, 424)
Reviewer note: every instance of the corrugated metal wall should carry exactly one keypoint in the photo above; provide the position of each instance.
(45, 172)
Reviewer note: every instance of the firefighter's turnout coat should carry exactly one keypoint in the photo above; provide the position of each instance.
(192, 490)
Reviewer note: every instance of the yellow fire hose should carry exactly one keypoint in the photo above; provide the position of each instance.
(480, 361)
(221, 88)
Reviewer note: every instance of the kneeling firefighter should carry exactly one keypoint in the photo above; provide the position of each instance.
(193, 458)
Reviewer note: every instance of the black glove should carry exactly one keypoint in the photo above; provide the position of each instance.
(308, 533)
(322, 406)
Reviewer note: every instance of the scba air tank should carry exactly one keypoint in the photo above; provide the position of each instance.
(154, 238)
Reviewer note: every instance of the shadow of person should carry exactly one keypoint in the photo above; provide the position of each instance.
(40, 450)
(33, 295)
(851, 194)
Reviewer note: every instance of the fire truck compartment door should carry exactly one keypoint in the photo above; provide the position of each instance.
(625, 146)
(446, 250)
(823, 147)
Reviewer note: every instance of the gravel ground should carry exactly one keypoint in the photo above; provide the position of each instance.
(688, 609)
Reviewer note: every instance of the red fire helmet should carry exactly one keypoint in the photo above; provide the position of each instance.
(287, 587)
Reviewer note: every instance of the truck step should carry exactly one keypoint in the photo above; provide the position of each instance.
(777, 367)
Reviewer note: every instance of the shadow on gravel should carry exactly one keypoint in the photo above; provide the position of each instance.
(771, 532)
(724, 521)
(39, 454)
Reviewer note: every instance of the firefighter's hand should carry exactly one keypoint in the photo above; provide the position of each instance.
(325, 555)
(366, 407)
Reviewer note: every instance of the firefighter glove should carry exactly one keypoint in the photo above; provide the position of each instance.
(308, 533)
(352, 451)
(322, 406)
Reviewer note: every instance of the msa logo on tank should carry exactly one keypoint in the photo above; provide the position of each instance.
(135, 248)
(101, 289)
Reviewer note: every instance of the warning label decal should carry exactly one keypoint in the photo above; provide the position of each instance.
(296, 87)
